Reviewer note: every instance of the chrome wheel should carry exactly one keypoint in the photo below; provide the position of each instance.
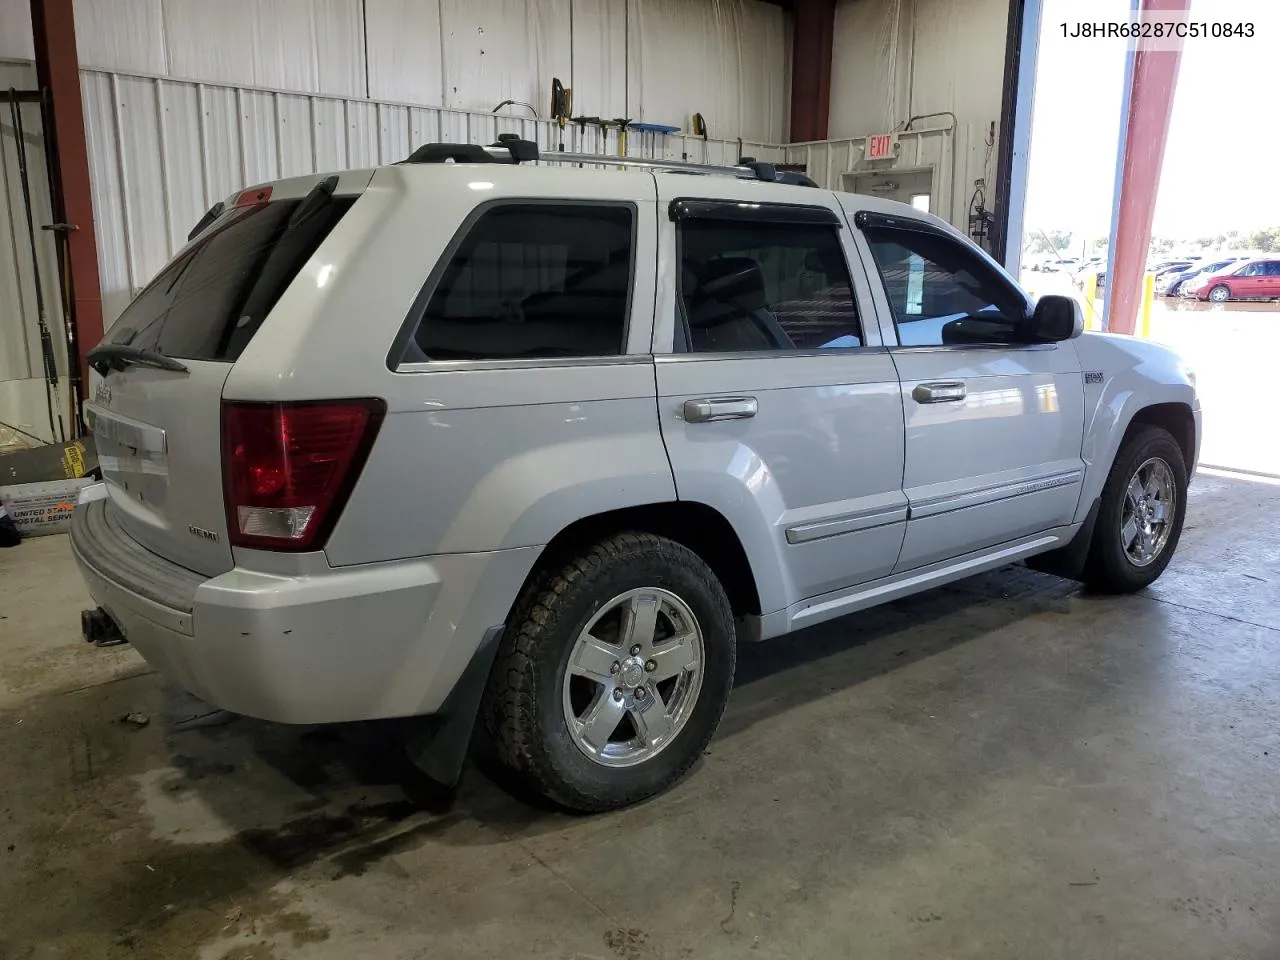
(633, 677)
(1150, 505)
(1220, 294)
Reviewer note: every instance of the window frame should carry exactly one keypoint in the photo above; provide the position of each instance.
(864, 219)
(417, 310)
(683, 209)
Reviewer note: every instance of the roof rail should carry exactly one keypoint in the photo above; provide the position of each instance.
(511, 149)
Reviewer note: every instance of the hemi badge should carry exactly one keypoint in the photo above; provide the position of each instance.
(202, 533)
(1093, 376)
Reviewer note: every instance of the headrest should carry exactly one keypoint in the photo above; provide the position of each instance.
(735, 280)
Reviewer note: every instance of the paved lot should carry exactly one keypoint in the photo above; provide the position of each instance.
(1004, 768)
(1233, 349)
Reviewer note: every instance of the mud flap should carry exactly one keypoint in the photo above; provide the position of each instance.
(1069, 561)
(437, 745)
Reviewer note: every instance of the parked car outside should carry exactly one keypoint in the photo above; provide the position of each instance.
(1170, 284)
(1256, 279)
(542, 445)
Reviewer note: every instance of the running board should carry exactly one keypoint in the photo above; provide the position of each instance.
(809, 612)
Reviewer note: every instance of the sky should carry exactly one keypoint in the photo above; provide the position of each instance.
(1224, 138)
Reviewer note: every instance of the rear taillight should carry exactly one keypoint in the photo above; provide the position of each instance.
(289, 467)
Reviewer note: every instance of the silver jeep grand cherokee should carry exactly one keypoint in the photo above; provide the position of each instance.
(465, 437)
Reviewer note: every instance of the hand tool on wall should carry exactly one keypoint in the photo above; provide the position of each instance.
(561, 106)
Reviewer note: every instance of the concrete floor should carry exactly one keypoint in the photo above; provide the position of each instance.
(1003, 768)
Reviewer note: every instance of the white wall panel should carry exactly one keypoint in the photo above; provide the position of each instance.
(124, 35)
(293, 135)
(183, 163)
(329, 133)
(258, 144)
(224, 168)
(209, 41)
(706, 58)
(141, 175)
(504, 49)
(108, 200)
(599, 75)
(404, 50)
(894, 59)
(15, 30)
(869, 75)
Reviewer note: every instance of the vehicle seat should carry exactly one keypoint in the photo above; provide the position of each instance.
(729, 311)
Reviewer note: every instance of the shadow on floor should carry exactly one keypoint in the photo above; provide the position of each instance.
(325, 775)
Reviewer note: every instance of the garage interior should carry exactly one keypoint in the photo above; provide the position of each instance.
(1004, 767)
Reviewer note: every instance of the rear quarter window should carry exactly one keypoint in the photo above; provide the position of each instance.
(531, 281)
(209, 301)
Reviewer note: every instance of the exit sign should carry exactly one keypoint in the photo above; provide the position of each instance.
(880, 146)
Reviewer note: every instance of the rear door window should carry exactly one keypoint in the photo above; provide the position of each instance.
(209, 302)
(748, 286)
(533, 281)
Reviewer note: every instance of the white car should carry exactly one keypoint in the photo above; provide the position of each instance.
(464, 436)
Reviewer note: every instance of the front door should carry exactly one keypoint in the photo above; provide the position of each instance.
(779, 406)
(993, 427)
(1251, 283)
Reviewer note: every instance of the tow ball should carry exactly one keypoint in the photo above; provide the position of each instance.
(98, 628)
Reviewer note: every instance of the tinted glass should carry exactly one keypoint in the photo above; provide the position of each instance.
(533, 281)
(940, 292)
(765, 287)
(1273, 268)
(209, 302)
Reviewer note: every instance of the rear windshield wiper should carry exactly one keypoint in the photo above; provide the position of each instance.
(117, 356)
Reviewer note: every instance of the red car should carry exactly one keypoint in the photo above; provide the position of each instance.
(1247, 280)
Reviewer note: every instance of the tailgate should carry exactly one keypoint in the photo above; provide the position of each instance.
(158, 440)
(158, 431)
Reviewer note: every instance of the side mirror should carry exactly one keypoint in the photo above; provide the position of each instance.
(1055, 318)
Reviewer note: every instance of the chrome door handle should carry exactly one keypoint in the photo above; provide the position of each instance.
(719, 408)
(948, 392)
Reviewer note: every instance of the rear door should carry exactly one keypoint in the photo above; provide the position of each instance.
(779, 406)
(158, 431)
(1272, 268)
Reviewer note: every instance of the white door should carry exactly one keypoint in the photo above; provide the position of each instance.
(994, 426)
(779, 406)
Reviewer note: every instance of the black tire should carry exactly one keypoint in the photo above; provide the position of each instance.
(1109, 568)
(523, 702)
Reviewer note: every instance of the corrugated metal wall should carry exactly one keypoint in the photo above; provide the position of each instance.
(903, 58)
(187, 100)
(653, 60)
(163, 151)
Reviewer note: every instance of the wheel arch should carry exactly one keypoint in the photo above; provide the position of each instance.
(1176, 418)
(701, 528)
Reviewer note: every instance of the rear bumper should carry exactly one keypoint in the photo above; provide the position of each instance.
(353, 643)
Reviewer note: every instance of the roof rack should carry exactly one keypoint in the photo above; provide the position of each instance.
(511, 149)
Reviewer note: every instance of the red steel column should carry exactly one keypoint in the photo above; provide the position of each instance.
(1155, 77)
(58, 73)
(813, 29)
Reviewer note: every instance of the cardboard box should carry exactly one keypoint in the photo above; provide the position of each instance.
(42, 508)
(53, 461)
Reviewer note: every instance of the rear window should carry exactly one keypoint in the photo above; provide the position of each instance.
(209, 302)
(533, 281)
